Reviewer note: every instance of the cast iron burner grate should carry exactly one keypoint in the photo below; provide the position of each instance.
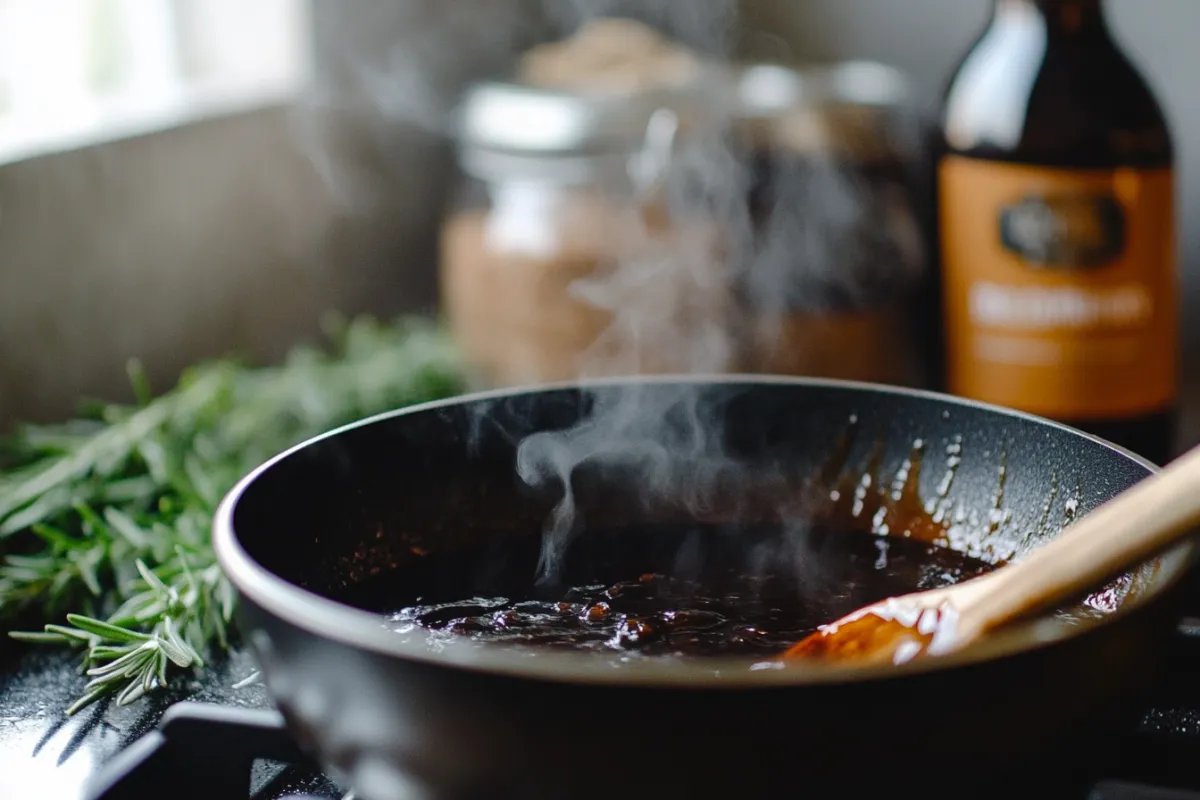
(217, 753)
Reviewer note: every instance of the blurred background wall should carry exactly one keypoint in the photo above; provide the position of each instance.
(235, 233)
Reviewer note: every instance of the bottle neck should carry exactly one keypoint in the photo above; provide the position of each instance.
(1059, 17)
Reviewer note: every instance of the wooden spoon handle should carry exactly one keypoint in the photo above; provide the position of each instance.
(1112, 538)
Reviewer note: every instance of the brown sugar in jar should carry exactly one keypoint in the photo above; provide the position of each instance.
(549, 283)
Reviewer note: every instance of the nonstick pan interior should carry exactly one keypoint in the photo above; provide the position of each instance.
(334, 518)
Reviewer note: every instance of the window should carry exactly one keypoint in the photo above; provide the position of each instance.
(73, 72)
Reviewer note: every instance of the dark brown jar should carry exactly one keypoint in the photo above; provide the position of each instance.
(1057, 228)
(834, 254)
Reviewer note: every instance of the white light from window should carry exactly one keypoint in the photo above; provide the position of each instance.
(73, 72)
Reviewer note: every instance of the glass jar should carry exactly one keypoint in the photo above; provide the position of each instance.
(833, 274)
(563, 259)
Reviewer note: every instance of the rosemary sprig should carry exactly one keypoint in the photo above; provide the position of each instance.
(106, 518)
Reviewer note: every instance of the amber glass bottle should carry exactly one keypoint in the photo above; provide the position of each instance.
(1057, 229)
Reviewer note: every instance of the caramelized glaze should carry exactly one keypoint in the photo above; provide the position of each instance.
(856, 535)
(713, 598)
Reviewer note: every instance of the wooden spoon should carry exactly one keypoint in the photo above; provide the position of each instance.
(1113, 538)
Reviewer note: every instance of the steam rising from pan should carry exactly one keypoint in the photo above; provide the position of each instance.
(663, 296)
(668, 442)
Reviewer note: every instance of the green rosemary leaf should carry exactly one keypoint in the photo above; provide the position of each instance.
(150, 675)
(175, 649)
(126, 664)
(48, 506)
(150, 578)
(206, 488)
(18, 573)
(105, 630)
(86, 564)
(139, 382)
(160, 676)
(154, 457)
(56, 537)
(86, 700)
(130, 490)
(30, 563)
(123, 525)
(132, 691)
(103, 652)
(38, 637)
(92, 523)
(69, 633)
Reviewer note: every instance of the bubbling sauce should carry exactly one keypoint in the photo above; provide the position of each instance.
(703, 592)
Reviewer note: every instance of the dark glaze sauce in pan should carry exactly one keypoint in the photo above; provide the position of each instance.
(723, 607)
(701, 589)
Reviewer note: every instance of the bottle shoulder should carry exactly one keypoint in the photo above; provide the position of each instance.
(1022, 96)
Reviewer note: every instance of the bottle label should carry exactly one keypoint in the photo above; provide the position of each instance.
(1059, 287)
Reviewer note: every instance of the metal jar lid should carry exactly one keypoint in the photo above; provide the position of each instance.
(508, 126)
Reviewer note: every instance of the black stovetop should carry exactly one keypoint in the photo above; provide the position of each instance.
(208, 739)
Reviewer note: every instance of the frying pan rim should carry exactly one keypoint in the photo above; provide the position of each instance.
(331, 620)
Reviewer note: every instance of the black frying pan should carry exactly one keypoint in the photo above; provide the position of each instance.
(310, 538)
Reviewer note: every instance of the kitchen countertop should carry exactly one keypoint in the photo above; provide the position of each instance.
(46, 755)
